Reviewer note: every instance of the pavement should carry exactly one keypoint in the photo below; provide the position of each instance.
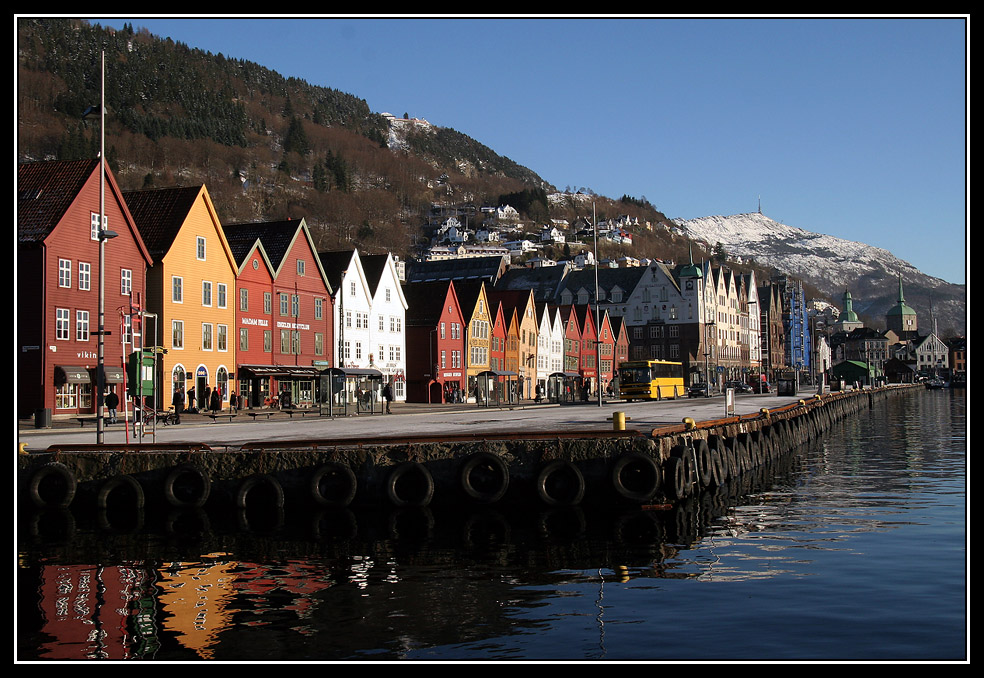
(406, 419)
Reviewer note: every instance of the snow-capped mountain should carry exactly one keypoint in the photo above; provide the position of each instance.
(834, 265)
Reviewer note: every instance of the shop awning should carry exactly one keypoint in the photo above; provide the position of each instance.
(71, 375)
(279, 371)
(114, 375)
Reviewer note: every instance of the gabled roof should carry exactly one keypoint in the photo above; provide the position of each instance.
(464, 268)
(276, 240)
(545, 281)
(335, 263)
(160, 213)
(425, 302)
(45, 191)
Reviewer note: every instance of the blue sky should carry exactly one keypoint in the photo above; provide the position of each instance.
(853, 127)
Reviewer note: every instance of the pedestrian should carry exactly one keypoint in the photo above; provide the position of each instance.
(191, 399)
(178, 401)
(112, 402)
(215, 402)
(388, 396)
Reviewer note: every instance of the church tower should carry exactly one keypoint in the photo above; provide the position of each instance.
(901, 318)
(848, 320)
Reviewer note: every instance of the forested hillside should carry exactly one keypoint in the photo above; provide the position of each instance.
(267, 146)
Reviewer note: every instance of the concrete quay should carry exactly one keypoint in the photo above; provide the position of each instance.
(554, 455)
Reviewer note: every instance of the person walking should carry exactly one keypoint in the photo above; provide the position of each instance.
(112, 402)
(388, 396)
(178, 401)
(215, 402)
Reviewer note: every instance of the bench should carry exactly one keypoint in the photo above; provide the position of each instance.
(291, 413)
(215, 417)
(259, 414)
(94, 420)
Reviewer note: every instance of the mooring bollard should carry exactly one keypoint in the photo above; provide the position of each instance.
(618, 421)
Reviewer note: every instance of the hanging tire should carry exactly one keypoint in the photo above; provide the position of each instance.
(719, 474)
(52, 485)
(187, 486)
(636, 476)
(410, 484)
(560, 483)
(675, 475)
(262, 483)
(705, 468)
(484, 477)
(117, 483)
(333, 485)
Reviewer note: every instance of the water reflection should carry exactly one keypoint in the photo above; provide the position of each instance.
(495, 583)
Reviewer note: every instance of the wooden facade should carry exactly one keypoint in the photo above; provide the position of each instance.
(58, 275)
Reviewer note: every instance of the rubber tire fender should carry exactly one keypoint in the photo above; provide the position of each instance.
(675, 475)
(196, 501)
(643, 466)
(115, 483)
(553, 469)
(256, 480)
(337, 471)
(404, 470)
(705, 463)
(473, 463)
(42, 472)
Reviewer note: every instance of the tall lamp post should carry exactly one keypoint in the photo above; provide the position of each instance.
(103, 234)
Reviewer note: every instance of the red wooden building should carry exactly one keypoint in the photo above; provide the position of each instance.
(435, 334)
(284, 313)
(58, 228)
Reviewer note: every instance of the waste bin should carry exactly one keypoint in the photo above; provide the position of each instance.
(42, 418)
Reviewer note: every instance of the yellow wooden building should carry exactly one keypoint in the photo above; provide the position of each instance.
(191, 289)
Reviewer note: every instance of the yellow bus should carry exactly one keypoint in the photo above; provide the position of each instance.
(650, 380)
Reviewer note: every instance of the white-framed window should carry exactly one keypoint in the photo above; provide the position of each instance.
(243, 339)
(300, 267)
(177, 289)
(319, 305)
(243, 299)
(295, 306)
(284, 308)
(177, 334)
(62, 321)
(64, 272)
(222, 337)
(221, 289)
(268, 303)
(268, 341)
(206, 336)
(387, 294)
(126, 281)
(94, 225)
(85, 276)
(81, 325)
(200, 248)
(206, 293)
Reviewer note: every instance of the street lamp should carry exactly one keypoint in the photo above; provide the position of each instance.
(103, 234)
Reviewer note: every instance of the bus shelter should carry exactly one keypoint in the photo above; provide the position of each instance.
(351, 390)
(495, 388)
(564, 387)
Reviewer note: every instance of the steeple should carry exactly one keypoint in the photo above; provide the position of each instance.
(690, 270)
(901, 317)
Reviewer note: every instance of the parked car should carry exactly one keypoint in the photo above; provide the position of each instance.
(738, 386)
(698, 390)
(761, 387)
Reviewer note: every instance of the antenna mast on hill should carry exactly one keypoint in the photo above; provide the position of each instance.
(760, 204)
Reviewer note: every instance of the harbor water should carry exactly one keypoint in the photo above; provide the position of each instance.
(850, 548)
